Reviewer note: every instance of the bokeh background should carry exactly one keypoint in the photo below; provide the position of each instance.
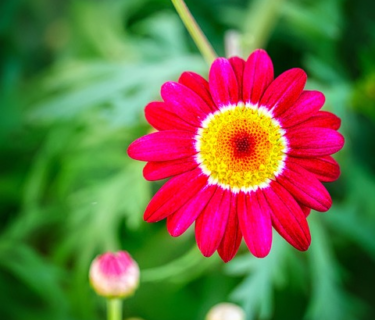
(75, 77)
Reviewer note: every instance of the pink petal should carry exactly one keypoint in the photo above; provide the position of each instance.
(306, 210)
(258, 75)
(308, 103)
(181, 220)
(284, 91)
(232, 237)
(199, 85)
(313, 142)
(223, 83)
(325, 168)
(165, 169)
(287, 216)
(159, 115)
(210, 225)
(163, 146)
(321, 119)
(255, 222)
(303, 185)
(174, 194)
(238, 65)
(185, 103)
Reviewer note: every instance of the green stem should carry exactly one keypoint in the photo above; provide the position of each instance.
(196, 33)
(114, 309)
(174, 268)
(260, 20)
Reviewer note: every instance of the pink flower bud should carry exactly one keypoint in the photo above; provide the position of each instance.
(114, 275)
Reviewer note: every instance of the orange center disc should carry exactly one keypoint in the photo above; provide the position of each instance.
(241, 148)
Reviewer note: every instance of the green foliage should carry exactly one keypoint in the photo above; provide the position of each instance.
(256, 291)
(75, 77)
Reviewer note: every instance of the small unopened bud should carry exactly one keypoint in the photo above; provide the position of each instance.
(226, 311)
(114, 275)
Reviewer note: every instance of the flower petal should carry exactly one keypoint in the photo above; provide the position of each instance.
(313, 142)
(321, 119)
(284, 91)
(255, 223)
(174, 194)
(185, 103)
(199, 85)
(182, 219)
(232, 237)
(210, 225)
(238, 65)
(165, 169)
(287, 216)
(325, 168)
(223, 83)
(303, 185)
(308, 103)
(159, 115)
(258, 75)
(306, 210)
(163, 146)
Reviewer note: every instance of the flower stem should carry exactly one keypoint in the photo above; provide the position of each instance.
(260, 20)
(114, 309)
(196, 33)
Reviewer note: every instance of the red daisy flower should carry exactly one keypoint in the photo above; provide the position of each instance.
(245, 152)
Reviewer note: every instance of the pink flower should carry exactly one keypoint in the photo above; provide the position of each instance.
(114, 275)
(245, 152)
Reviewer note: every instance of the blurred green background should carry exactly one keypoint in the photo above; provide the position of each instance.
(75, 77)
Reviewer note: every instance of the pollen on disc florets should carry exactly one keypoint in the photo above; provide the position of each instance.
(241, 147)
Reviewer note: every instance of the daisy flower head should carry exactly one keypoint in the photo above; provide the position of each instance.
(244, 153)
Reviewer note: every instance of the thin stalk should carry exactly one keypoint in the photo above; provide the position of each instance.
(114, 309)
(261, 19)
(174, 268)
(196, 33)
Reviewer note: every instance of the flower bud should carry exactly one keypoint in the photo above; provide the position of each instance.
(114, 275)
(226, 311)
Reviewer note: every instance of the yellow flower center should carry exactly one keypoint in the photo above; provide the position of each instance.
(241, 148)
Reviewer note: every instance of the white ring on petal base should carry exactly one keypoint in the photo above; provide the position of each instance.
(261, 111)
